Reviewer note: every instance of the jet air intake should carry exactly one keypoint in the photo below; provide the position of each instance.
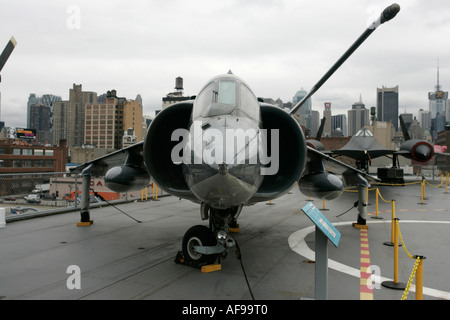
(417, 150)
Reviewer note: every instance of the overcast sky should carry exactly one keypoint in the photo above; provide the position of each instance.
(276, 46)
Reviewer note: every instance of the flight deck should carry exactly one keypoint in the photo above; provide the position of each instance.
(51, 258)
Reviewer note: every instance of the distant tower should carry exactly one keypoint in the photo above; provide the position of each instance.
(305, 110)
(358, 117)
(327, 115)
(387, 105)
(438, 100)
(438, 107)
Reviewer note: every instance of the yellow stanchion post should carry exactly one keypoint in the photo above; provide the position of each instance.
(324, 209)
(156, 191)
(422, 191)
(395, 284)
(376, 201)
(392, 242)
(142, 195)
(419, 278)
(376, 205)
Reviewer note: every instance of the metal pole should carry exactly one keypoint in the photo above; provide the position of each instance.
(419, 278)
(321, 266)
(395, 284)
(387, 14)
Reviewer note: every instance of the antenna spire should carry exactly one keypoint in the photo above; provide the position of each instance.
(438, 86)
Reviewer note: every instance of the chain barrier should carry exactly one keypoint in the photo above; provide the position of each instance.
(401, 239)
(383, 198)
(411, 277)
(416, 265)
(435, 186)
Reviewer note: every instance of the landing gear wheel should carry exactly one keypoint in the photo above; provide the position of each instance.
(198, 236)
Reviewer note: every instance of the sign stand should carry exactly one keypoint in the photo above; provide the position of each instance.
(324, 231)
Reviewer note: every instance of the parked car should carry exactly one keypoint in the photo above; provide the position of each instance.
(32, 198)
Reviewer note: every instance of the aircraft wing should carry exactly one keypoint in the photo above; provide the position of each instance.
(102, 164)
(333, 165)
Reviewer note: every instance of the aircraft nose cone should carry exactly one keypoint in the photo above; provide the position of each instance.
(422, 152)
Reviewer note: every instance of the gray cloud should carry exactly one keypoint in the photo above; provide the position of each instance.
(277, 46)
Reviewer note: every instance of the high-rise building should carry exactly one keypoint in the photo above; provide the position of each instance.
(40, 119)
(105, 123)
(68, 116)
(358, 117)
(99, 125)
(305, 110)
(425, 120)
(315, 122)
(387, 105)
(438, 101)
(32, 100)
(339, 125)
(327, 116)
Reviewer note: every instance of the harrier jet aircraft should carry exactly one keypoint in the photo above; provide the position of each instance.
(224, 150)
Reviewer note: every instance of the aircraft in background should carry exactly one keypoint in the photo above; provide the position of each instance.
(364, 147)
(224, 150)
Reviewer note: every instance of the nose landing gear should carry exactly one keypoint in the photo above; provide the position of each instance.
(204, 246)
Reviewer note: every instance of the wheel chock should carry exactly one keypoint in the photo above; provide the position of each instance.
(211, 268)
(234, 230)
(179, 258)
(85, 224)
(359, 226)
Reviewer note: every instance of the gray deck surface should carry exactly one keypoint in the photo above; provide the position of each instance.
(122, 259)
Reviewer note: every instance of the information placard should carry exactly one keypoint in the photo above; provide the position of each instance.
(322, 223)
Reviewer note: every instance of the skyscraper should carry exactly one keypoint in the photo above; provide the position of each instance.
(358, 117)
(438, 101)
(305, 110)
(339, 123)
(387, 105)
(327, 116)
(425, 120)
(32, 100)
(41, 121)
(68, 116)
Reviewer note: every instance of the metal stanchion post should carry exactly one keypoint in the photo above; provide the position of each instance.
(392, 242)
(395, 284)
(376, 205)
(419, 278)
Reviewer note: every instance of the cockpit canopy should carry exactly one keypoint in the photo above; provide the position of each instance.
(226, 95)
(364, 132)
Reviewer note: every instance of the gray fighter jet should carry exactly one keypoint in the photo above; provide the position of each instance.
(224, 150)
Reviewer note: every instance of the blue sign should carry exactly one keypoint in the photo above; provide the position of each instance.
(322, 223)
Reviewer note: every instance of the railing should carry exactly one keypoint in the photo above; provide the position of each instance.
(26, 195)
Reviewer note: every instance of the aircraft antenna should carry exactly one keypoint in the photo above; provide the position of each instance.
(387, 14)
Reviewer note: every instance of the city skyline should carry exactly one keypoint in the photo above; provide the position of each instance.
(276, 46)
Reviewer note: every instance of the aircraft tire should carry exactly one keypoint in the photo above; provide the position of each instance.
(198, 236)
